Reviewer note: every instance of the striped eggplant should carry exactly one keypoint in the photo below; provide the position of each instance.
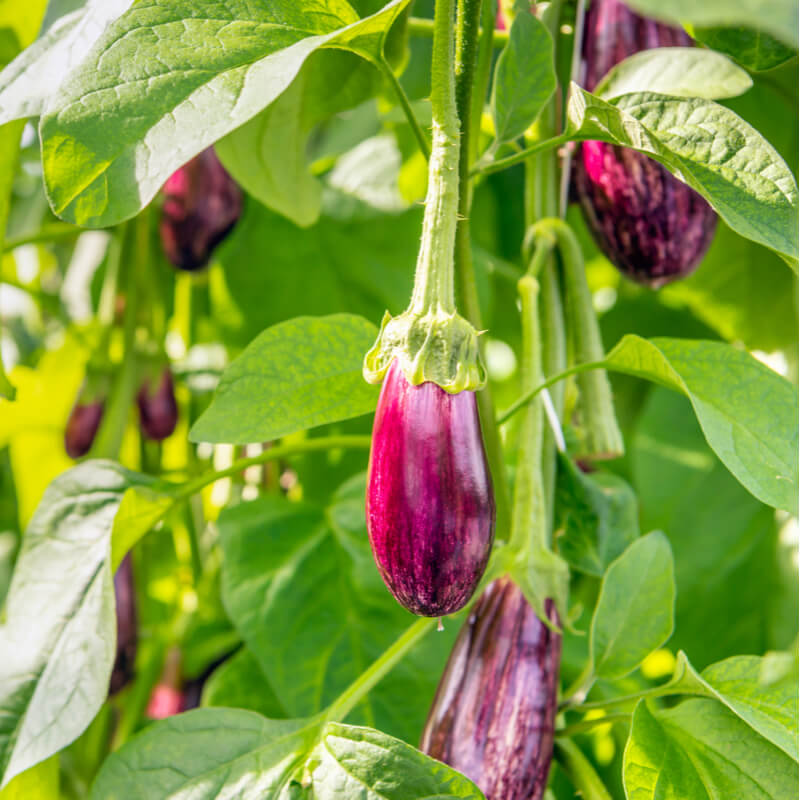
(430, 503)
(127, 635)
(494, 712)
(652, 226)
(158, 409)
(202, 203)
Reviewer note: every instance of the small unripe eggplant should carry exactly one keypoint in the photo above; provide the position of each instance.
(125, 593)
(493, 715)
(82, 425)
(158, 409)
(202, 203)
(653, 228)
(430, 504)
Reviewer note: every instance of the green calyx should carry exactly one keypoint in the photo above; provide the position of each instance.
(433, 345)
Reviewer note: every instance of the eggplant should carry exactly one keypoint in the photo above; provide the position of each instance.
(125, 594)
(158, 409)
(653, 228)
(82, 425)
(202, 203)
(494, 712)
(430, 503)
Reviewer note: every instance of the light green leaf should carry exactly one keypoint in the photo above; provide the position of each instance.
(676, 71)
(295, 375)
(779, 17)
(748, 413)
(708, 147)
(226, 753)
(753, 49)
(142, 507)
(59, 638)
(635, 610)
(524, 79)
(700, 750)
(169, 78)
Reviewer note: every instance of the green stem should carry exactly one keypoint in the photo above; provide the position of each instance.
(49, 233)
(586, 725)
(580, 771)
(480, 84)
(421, 26)
(580, 687)
(108, 294)
(368, 679)
(411, 117)
(517, 158)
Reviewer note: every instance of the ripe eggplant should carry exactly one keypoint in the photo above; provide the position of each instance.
(494, 712)
(158, 409)
(430, 503)
(202, 203)
(125, 593)
(82, 425)
(653, 228)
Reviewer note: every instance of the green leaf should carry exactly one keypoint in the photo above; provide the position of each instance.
(760, 691)
(700, 750)
(635, 609)
(28, 81)
(213, 753)
(142, 507)
(708, 147)
(169, 78)
(524, 79)
(753, 49)
(676, 71)
(37, 782)
(748, 413)
(597, 516)
(295, 375)
(779, 17)
(61, 627)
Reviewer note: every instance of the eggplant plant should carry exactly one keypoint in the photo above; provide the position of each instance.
(339, 458)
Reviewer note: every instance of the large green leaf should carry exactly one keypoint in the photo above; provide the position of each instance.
(700, 750)
(753, 49)
(748, 413)
(635, 609)
(524, 79)
(295, 375)
(169, 78)
(779, 17)
(676, 71)
(707, 146)
(301, 587)
(58, 641)
(226, 753)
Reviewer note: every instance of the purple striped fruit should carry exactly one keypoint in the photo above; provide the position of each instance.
(202, 203)
(494, 712)
(158, 409)
(125, 594)
(430, 504)
(652, 226)
(82, 425)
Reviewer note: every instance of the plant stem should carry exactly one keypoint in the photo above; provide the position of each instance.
(421, 26)
(422, 139)
(580, 686)
(368, 679)
(481, 82)
(518, 158)
(433, 280)
(580, 771)
(49, 233)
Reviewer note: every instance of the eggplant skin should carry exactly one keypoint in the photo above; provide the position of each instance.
(653, 228)
(202, 203)
(430, 502)
(158, 409)
(127, 633)
(82, 425)
(494, 712)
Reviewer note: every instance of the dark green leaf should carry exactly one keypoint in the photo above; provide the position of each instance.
(748, 413)
(295, 375)
(753, 49)
(597, 515)
(635, 609)
(700, 750)
(676, 71)
(524, 79)
(707, 146)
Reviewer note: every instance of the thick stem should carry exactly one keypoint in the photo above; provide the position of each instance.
(422, 139)
(433, 281)
(422, 26)
(580, 771)
(480, 84)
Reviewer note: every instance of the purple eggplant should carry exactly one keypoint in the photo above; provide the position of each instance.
(430, 504)
(82, 425)
(653, 228)
(202, 203)
(125, 593)
(158, 409)
(494, 711)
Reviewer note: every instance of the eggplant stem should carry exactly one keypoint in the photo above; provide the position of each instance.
(422, 139)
